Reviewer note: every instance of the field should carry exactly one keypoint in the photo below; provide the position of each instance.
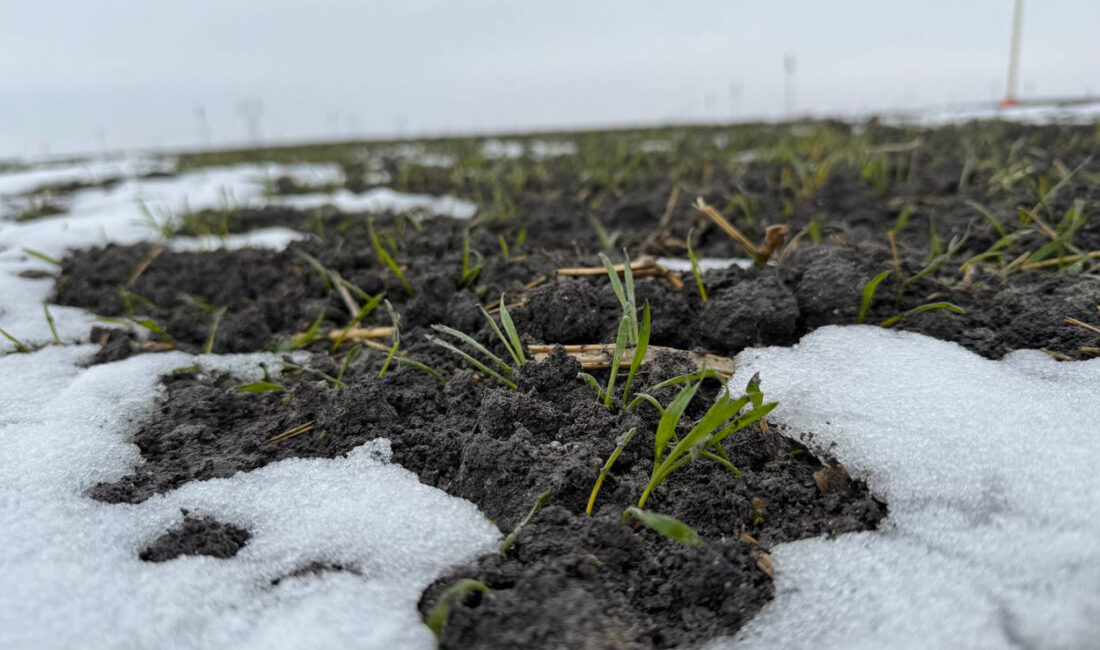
(813, 384)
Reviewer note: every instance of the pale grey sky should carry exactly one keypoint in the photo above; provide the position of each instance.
(84, 75)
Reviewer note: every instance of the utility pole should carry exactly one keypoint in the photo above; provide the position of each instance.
(790, 64)
(1014, 57)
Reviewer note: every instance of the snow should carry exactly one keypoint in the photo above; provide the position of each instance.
(87, 171)
(1034, 114)
(69, 572)
(70, 576)
(539, 149)
(988, 468)
(103, 215)
(683, 265)
(380, 199)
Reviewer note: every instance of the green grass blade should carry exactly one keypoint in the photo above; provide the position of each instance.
(450, 598)
(631, 301)
(946, 306)
(310, 335)
(616, 359)
(261, 387)
(366, 309)
(499, 333)
(639, 351)
(386, 259)
(665, 525)
(745, 419)
(869, 295)
(695, 270)
(724, 462)
(396, 320)
(988, 216)
(42, 256)
(469, 340)
(413, 363)
(705, 373)
(644, 397)
(154, 327)
(623, 442)
(616, 284)
(716, 415)
(326, 277)
(903, 218)
(348, 358)
(212, 334)
(472, 361)
(19, 345)
(516, 347)
(543, 499)
(51, 324)
(666, 428)
(593, 384)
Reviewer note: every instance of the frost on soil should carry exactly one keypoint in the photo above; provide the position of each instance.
(989, 470)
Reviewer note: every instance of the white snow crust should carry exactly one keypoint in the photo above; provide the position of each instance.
(989, 472)
(70, 577)
(69, 572)
(100, 216)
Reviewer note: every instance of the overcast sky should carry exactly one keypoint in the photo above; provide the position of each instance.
(84, 75)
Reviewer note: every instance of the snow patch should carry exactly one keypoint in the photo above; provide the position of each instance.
(683, 265)
(87, 171)
(988, 468)
(70, 576)
(381, 199)
(137, 210)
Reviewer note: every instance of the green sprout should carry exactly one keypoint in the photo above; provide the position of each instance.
(509, 338)
(212, 333)
(310, 335)
(396, 320)
(42, 256)
(51, 324)
(147, 324)
(468, 275)
(19, 345)
(452, 597)
(695, 270)
(262, 386)
(869, 294)
(638, 353)
(348, 358)
(387, 258)
(624, 291)
(543, 499)
(394, 352)
(704, 440)
(623, 441)
(670, 527)
(368, 307)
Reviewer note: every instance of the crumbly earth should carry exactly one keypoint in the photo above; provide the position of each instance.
(196, 536)
(571, 580)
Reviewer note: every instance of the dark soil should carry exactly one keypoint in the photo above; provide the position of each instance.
(571, 580)
(196, 536)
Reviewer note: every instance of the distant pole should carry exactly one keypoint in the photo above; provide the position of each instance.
(790, 63)
(1014, 57)
(202, 126)
(251, 111)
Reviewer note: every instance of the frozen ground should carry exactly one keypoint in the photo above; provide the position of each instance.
(99, 216)
(69, 572)
(989, 470)
(987, 467)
